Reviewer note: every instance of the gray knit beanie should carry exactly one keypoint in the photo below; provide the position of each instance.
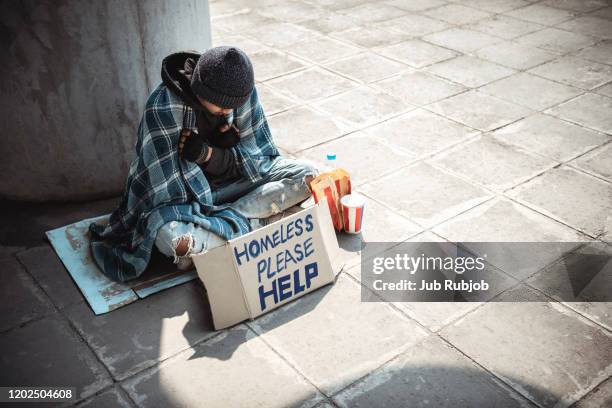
(223, 76)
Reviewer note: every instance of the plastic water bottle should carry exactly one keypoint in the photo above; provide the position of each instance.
(330, 162)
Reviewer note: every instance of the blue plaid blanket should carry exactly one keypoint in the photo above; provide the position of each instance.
(162, 187)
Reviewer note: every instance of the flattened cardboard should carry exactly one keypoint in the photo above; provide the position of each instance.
(71, 243)
(263, 270)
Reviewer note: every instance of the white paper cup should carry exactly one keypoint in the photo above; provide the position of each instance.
(352, 212)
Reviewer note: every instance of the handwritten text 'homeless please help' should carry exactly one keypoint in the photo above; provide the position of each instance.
(272, 262)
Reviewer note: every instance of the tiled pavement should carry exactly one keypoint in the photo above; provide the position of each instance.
(460, 120)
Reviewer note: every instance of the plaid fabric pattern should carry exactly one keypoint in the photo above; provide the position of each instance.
(161, 187)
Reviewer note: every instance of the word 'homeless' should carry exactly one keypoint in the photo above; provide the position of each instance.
(271, 266)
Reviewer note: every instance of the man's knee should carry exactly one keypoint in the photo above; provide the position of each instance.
(289, 168)
(183, 245)
(175, 239)
(304, 168)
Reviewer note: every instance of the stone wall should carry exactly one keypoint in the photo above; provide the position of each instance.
(75, 77)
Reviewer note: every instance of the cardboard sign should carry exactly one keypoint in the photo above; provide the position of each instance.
(268, 267)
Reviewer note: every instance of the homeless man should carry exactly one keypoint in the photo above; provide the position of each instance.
(206, 167)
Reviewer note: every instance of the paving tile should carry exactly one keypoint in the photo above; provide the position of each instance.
(354, 269)
(492, 163)
(302, 127)
(24, 224)
(350, 249)
(414, 25)
(542, 14)
(292, 11)
(428, 196)
(479, 110)
(430, 374)
(22, 300)
(456, 14)
(281, 34)
(589, 110)
(462, 40)
(575, 198)
(556, 40)
(416, 53)
(421, 132)
(576, 5)
(520, 88)
(495, 6)
(242, 22)
(545, 355)
(598, 162)
(550, 137)
(356, 149)
(366, 67)
(501, 220)
(469, 71)
(426, 236)
(418, 88)
(248, 45)
(582, 281)
(605, 12)
(371, 12)
(45, 266)
(329, 22)
(111, 398)
(322, 50)
(363, 106)
(605, 90)
(381, 224)
(333, 318)
(416, 5)
(600, 52)
(588, 25)
(271, 63)
(504, 27)
(151, 329)
(600, 396)
(48, 352)
(225, 8)
(436, 315)
(273, 101)
(7, 251)
(339, 4)
(325, 404)
(576, 72)
(299, 85)
(514, 55)
(369, 37)
(234, 369)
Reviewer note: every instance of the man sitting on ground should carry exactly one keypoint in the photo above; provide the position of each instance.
(206, 167)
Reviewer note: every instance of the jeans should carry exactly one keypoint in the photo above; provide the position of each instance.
(281, 187)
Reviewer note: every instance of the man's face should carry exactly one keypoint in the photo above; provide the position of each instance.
(214, 109)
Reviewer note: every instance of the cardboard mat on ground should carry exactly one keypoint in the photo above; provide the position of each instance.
(266, 268)
(71, 243)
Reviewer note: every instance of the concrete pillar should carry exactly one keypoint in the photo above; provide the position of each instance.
(75, 75)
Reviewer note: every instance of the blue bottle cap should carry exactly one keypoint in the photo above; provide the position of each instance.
(331, 156)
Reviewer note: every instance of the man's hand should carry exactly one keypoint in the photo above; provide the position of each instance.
(227, 136)
(193, 147)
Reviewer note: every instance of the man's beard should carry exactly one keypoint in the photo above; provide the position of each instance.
(215, 137)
